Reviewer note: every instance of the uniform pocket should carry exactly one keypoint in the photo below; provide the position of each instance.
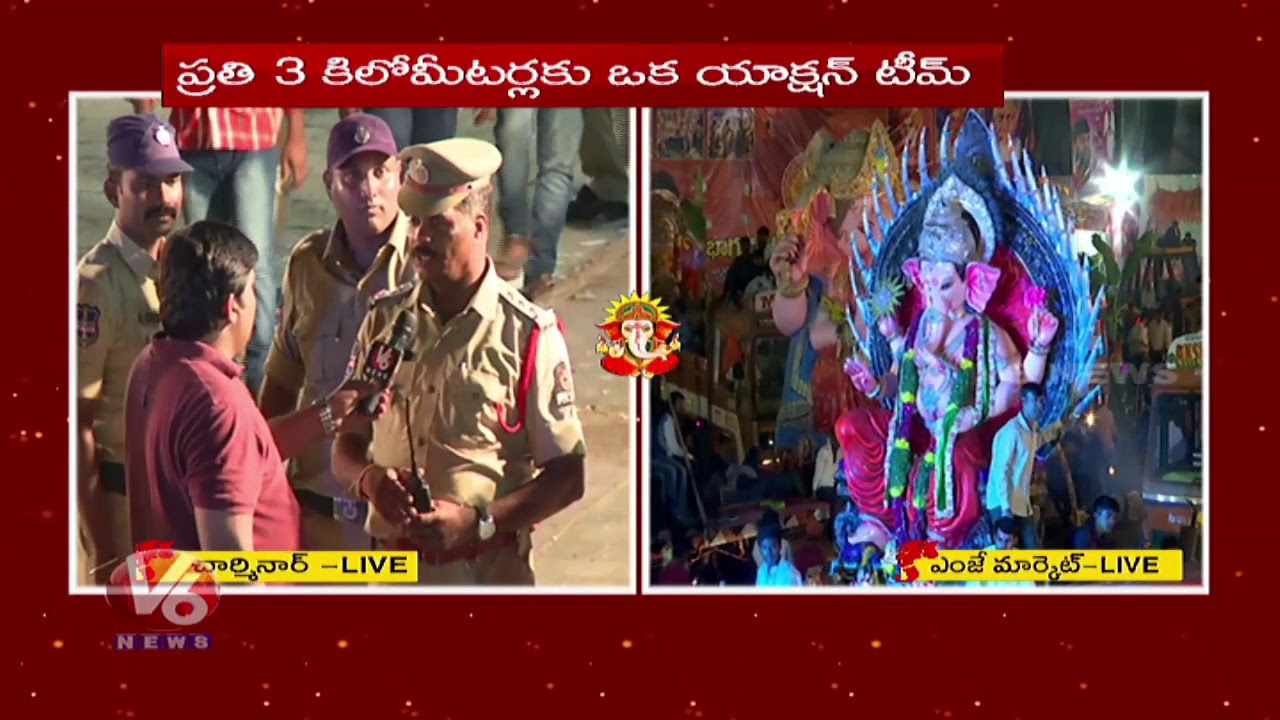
(329, 357)
(481, 407)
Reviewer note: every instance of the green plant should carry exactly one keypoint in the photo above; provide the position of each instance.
(1120, 291)
(1118, 281)
(695, 218)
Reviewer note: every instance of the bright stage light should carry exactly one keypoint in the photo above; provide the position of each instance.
(1119, 183)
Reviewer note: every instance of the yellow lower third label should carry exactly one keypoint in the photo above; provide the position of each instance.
(1112, 566)
(320, 566)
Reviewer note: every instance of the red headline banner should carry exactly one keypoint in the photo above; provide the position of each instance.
(582, 75)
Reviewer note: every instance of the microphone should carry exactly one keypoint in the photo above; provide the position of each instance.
(384, 358)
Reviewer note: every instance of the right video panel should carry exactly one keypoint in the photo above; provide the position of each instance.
(971, 328)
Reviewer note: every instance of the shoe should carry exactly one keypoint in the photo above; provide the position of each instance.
(588, 206)
(537, 287)
(614, 211)
(584, 207)
(512, 255)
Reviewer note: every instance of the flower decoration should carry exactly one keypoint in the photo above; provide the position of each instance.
(1035, 296)
(885, 298)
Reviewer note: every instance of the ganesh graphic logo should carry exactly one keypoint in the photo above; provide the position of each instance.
(383, 356)
(910, 552)
(168, 590)
(639, 338)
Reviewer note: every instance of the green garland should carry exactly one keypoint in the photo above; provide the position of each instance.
(900, 453)
(964, 393)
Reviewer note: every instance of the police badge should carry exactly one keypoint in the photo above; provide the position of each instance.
(418, 171)
(87, 319)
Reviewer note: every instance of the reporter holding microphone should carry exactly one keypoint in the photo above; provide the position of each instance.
(204, 468)
(484, 400)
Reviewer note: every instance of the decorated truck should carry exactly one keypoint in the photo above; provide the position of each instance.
(1173, 472)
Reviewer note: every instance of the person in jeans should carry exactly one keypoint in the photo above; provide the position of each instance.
(606, 162)
(553, 136)
(237, 157)
(414, 125)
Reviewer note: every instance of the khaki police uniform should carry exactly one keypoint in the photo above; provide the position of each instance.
(325, 298)
(457, 398)
(117, 312)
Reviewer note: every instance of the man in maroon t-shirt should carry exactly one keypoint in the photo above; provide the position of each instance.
(204, 467)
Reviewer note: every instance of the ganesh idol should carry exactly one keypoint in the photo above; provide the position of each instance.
(823, 191)
(974, 291)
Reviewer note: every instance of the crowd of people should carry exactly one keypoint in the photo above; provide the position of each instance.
(1029, 504)
(223, 407)
(1066, 498)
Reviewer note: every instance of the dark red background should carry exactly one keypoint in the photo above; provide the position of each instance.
(982, 61)
(743, 657)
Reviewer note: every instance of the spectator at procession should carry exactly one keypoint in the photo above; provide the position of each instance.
(775, 570)
(237, 158)
(1099, 533)
(605, 161)
(532, 228)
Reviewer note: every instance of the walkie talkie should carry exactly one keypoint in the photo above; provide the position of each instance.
(418, 487)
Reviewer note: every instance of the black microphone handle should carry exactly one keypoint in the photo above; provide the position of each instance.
(369, 405)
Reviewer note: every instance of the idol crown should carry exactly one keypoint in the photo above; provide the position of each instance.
(946, 237)
(637, 311)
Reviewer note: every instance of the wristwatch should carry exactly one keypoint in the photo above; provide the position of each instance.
(326, 417)
(485, 527)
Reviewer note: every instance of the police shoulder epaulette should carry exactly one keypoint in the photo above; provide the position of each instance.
(540, 316)
(390, 293)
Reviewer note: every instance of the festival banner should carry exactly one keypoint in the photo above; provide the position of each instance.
(1173, 198)
(793, 153)
(491, 75)
(1093, 138)
(742, 168)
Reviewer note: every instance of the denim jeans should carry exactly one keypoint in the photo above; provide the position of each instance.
(239, 188)
(414, 126)
(552, 137)
(674, 481)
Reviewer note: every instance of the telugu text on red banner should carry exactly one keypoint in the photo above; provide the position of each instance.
(581, 75)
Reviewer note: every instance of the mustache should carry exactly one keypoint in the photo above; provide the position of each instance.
(162, 212)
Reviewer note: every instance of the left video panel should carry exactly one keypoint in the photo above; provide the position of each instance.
(445, 267)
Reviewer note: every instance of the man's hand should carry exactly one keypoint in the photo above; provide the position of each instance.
(484, 116)
(388, 492)
(293, 161)
(345, 400)
(448, 527)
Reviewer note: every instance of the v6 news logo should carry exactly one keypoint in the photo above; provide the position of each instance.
(165, 589)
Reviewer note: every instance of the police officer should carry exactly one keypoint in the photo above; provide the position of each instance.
(485, 402)
(328, 283)
(117, 311)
